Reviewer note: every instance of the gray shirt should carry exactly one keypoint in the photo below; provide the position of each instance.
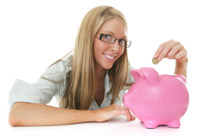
(43, 90)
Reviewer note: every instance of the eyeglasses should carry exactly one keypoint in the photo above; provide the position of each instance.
(111, 39)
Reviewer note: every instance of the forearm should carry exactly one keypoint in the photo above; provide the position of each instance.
(26, 114)
(181, 68)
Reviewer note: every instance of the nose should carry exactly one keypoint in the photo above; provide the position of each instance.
(115, 46)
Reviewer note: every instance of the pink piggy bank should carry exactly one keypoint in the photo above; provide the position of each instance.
(157, 99)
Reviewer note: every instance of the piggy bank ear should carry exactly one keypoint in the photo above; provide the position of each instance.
(145, 73)
(150, 75)
(137, 74)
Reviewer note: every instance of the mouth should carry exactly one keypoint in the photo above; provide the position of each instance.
(109, 57)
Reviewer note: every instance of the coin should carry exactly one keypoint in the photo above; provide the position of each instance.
(155, 61)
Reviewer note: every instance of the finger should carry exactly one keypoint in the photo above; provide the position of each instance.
(125, 113)
(181, 54)
(159, 51)
(129, 114)
(161, 47)
(132, 117)
(165, 51)
(122, 110)
(174, 51)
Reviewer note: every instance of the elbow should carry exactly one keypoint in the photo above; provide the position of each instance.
(12, 119)
(15, 116)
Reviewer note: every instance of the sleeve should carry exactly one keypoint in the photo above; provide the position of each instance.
(43, 90)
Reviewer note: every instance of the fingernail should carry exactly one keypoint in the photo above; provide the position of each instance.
(159, 59)
(155, 56)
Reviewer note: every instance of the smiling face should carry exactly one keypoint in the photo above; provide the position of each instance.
(107, 53)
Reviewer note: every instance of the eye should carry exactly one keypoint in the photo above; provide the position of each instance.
(107, 36)
(122, 42)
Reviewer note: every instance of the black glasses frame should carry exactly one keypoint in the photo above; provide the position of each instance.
(128, 43)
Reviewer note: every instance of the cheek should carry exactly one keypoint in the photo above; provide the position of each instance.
(121, 51)
(99, 47)
(97, 50)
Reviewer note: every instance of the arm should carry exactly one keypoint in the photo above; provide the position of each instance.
(174, 50)
(181, 68)
(28, 114)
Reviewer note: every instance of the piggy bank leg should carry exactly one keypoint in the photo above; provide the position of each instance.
(150, 124)
(174, 124)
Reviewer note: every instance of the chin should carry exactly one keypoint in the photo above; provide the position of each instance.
(108, 67)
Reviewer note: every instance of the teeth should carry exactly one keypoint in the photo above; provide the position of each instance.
(110, 57)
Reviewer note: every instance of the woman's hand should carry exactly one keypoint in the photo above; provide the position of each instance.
(171, 50)
(174, 50)
(112, 111)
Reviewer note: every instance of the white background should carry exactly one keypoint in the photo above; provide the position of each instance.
(35, 33)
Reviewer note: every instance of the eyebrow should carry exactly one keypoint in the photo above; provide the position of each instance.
(110, 32)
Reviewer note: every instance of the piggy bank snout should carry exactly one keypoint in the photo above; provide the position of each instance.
(127, 100)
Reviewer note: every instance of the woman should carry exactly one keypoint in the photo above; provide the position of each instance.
(89, 84)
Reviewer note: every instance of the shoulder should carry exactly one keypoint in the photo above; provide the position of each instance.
(59, 69)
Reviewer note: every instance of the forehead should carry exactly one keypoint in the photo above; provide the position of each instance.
(115, 27)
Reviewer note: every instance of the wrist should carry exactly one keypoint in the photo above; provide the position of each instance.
(92, 116)
(182, 63)
(181, 67)
(96, 116)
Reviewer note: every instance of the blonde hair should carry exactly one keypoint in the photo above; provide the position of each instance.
(81, 81)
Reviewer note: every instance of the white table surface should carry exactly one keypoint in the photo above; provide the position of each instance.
(117, 126)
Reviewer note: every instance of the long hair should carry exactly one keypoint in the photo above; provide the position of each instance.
(81, 80)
